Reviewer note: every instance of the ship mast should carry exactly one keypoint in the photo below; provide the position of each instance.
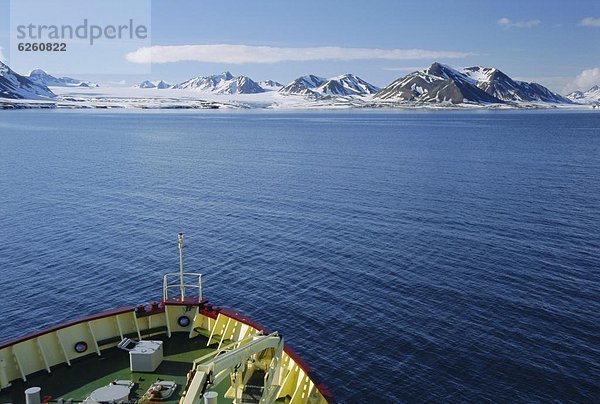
(177, 280)
(181, 283)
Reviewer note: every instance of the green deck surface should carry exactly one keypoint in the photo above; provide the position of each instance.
(91, 372)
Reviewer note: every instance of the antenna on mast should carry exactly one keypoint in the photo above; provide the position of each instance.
(181, 282)
(176, 280)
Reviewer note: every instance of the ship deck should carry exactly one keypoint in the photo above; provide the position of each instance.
(86, 374)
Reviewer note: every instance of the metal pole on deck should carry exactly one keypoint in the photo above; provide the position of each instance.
(33, 395)
(211, 397)
(181, 283)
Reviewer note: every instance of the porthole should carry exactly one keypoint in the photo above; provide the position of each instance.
(81, 347)
(183, 321)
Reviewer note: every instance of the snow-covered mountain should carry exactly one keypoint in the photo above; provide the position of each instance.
(479, 85)
(146, 84)
(498, 84)
(344, 85)
(224, 83)
(41, 77)
(270, 85)
(159, 84)
(15, 86)
(303, 85)
(591, 96)
(347, 84)
(437, 83)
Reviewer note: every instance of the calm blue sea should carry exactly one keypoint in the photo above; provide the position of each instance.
(407, 257)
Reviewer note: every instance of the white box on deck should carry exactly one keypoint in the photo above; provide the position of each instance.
(146, 356)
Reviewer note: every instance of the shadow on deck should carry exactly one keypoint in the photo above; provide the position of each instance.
(86, 374)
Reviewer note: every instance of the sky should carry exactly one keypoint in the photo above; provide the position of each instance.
(555, 43)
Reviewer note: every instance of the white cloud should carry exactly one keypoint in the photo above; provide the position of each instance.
(504, 22)
(508, 23)
(590, 22)
(236, 54)
(585, 80)
(2, 57)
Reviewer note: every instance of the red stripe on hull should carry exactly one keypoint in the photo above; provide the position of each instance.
(205, 309)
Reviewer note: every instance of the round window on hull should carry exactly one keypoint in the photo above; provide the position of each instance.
(81, 347)
(183, 321)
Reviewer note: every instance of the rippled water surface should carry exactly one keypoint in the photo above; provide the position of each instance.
(406, 257)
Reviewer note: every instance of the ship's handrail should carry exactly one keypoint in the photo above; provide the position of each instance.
(181, 282)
